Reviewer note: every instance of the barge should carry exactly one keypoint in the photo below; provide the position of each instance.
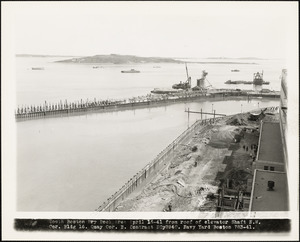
(131, 71)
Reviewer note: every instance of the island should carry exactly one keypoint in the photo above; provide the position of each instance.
(120, 59)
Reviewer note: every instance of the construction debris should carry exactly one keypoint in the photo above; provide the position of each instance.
(213, 172)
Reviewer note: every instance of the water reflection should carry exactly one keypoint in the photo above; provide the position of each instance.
(75, 163)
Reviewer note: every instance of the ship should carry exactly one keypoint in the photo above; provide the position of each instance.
(37, 68)
(131, 71)
(184, 85)
(164, 91)
(245, 82)
(238, 82)
(258, 78)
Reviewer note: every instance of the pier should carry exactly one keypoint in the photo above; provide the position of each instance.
(78, 107)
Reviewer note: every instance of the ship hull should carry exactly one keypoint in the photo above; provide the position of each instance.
(130, 71)
(257, 82)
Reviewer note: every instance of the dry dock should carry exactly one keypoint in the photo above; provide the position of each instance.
(207, 168)
(77, 108)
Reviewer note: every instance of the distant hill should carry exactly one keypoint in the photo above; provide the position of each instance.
(119, 59)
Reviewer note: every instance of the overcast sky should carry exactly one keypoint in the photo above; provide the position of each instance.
(166, 29)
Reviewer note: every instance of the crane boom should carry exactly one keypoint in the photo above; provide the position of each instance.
(187, 74)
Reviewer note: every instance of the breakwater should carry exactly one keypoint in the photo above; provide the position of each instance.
(155, 166)
(79, 107)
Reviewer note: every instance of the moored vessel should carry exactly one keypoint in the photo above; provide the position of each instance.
(37, 68)
(258, 78)
(164, 91)
(131, 71)
(238, 82)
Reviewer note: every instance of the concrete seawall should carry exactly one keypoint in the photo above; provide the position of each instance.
(154, 167)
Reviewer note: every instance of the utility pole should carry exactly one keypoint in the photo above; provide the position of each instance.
(188, 117)
(214, 115)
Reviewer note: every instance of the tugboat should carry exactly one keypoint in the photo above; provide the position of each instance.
(184, 85)
(131, 71)
(258, 78)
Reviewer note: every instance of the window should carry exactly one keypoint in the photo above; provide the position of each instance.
(272, 168)
(266, 168)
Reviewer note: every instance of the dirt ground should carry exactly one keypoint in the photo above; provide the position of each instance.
(220, 153)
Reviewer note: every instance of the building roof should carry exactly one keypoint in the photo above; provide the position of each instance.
(270, 143)
(264, 200)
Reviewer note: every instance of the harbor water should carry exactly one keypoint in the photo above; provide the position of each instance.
(75, 163)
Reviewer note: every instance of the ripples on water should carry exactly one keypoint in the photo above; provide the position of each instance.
(75, 163)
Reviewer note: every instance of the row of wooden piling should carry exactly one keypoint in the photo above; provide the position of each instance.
(49, 109)
(67, 108)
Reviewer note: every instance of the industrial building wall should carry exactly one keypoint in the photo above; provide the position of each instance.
(265, 165)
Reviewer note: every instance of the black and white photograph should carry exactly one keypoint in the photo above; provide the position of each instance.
(150, 120)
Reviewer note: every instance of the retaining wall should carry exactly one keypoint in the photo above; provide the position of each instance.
(154, 166)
